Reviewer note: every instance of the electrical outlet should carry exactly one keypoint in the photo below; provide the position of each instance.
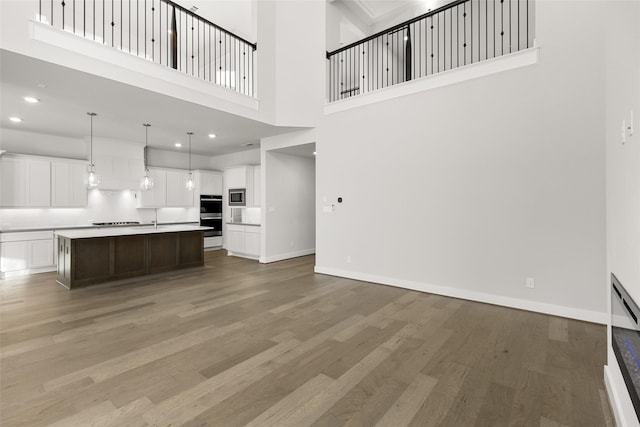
(291, 244)
(531, 282)
(348, 258)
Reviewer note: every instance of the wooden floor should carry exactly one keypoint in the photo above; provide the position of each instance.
(239, 343)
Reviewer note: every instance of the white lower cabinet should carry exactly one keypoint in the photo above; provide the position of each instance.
(252, 240)
(243, 240)
(213, 242)
(22, 252)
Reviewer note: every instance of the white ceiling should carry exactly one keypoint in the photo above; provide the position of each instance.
(303, 150)
(122, 109)
(374, 12)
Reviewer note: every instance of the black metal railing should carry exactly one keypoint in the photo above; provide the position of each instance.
(160, 31)
(460, 33)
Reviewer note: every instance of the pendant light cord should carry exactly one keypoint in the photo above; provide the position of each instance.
(146, 143)
(190, 133)
(91, 115)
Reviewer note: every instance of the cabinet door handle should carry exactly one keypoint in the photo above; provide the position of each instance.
(67, 249)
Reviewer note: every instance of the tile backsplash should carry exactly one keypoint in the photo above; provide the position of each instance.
(103, 206)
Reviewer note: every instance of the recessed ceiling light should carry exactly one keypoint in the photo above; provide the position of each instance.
(41, 85)
(177, 144)
(15, 119)
(31, 99)
(314, 153)
(212, 135)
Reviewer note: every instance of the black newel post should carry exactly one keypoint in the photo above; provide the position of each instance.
(173, 41)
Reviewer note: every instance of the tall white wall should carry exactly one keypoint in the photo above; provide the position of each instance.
(470, 189)
(291, 61)
(289, 206)
(623, 172)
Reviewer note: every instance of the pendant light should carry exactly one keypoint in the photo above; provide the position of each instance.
(147, 181)
(190, 185)
(92, 180)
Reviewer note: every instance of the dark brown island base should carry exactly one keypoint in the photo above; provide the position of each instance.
(87, 257)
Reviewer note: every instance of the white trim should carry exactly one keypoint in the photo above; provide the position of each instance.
(620, 402)
(288, 255)
(243, 255)
(511, 61)
(539, 307)
(17, 273)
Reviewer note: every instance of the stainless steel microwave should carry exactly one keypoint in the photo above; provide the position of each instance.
(237, 197)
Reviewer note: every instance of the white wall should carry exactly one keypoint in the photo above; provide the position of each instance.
(289, 206)
(291, 61)
(226, 161)
(469, 189)
(177, 160)
(623, 172)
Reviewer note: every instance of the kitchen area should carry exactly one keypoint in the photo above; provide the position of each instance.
(50, 220)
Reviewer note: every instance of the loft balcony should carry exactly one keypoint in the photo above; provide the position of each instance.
(162, 32)
(454, 36)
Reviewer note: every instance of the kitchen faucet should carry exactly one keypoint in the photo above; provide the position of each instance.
(155, 222)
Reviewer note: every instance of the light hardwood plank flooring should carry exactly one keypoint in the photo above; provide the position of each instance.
(239, 343)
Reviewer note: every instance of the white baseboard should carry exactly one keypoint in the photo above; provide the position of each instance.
(288, 255)
(552, 309)
(8, 274)
(242, 255)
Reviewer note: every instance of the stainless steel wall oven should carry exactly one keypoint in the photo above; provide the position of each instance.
(211, 214)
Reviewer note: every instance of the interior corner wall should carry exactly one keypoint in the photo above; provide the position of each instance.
(623, 175)
(290, 206)
(470, 189)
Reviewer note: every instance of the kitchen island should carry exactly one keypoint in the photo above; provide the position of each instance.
(87, 257)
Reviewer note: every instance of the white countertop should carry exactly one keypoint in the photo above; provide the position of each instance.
(126, 231)
(87, 227)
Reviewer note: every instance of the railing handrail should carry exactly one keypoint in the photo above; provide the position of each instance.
(187, 11)
(397, 26)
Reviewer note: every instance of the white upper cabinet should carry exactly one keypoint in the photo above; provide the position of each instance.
(118, 173)
(26, 182)
(169, 190)
(68, 184)
(157, 196)
(177, 193)
(247, 177)
(236, 177)
(209, 183)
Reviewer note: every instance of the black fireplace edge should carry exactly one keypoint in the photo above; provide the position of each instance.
(633, 311)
